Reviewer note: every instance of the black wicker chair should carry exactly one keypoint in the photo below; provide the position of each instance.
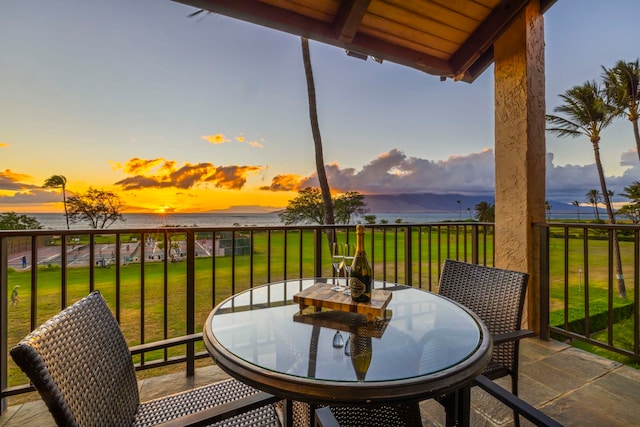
(80, 364)
(497, 297)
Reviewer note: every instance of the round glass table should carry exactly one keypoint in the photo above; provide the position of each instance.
(419, 346)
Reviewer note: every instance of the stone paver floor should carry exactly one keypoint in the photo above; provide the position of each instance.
(573, 387)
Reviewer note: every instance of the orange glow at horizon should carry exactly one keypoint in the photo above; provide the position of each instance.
(200, 200)
(172, 200)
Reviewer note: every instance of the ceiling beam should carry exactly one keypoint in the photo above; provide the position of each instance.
(486, 34)
(348, 19)
(283, 20)
(478, 67)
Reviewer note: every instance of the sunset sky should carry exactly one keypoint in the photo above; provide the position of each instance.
(181, 114)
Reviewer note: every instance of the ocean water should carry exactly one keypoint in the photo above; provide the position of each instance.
(57, 221)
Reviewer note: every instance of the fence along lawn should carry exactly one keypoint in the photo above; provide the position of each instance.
(217, 278)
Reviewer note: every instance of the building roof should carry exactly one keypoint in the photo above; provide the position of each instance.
(446, 38)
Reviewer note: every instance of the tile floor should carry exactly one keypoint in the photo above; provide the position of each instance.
(574, 387)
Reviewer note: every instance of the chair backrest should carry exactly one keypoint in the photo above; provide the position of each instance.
(495, 295)
(80, 364)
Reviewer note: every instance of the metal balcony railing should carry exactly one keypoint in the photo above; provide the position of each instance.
(581, 296)
(162, 283)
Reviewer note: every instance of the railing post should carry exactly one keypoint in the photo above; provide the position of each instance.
(4, 319)
(191, 299)
(544, 282)
(318, 233)
(475, 231)
(408, 258)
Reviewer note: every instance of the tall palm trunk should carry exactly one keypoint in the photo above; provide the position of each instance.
(317, 140)
(636, 133)
(64, 202)
(622, 291)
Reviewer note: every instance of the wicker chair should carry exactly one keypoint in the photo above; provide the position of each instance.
(80, 364)
(497, 297)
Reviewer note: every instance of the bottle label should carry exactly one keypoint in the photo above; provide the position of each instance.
(357, 287)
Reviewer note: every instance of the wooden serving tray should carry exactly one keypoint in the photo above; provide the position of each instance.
(320, 295)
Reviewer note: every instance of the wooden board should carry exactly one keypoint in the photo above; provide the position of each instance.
(320, 295)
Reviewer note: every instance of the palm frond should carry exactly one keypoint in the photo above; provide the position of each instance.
(564, 127)
(585, 110)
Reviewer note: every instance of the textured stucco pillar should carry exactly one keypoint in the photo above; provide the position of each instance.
(520, 149)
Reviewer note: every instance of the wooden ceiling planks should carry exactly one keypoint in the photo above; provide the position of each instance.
(407, 36)
(450, 38)
(324, 11)
(422, 22)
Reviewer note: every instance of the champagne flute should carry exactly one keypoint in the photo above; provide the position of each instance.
(349, 254)
(337, 260)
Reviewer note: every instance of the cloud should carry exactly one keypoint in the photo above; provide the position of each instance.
(220, 138)
(629, 158)
(394, 172)
(15, 189)
(471, 174)
(255, 144)
(287, 182)
(15, 181)
(33, 197)
(216, 139)
(115, 165)
(576, 180)
(137, 165)
(161, 173)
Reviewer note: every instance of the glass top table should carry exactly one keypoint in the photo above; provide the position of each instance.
(422, 346)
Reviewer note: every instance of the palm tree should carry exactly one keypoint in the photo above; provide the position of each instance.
(577, 205)
(547, 207)
(594, 198)
(632, 210)
(586, 111)
(59, 181)
(459, 210)
(485, 212)
(317, 140)
(622, 83)
(632, 192)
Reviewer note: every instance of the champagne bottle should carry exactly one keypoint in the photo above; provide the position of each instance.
(360, 283)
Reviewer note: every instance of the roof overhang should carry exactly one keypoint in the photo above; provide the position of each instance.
(446, 38)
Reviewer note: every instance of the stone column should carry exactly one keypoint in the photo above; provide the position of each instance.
(520, 149)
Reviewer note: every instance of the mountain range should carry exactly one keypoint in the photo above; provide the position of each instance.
(410, 203)
(427, 202)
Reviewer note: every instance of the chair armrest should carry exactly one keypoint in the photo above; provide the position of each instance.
(325, 418)
(223, 411)
(512, 336)
(514, 402)
(162, 344)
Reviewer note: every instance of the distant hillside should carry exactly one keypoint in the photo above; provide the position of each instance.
(426, 202)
